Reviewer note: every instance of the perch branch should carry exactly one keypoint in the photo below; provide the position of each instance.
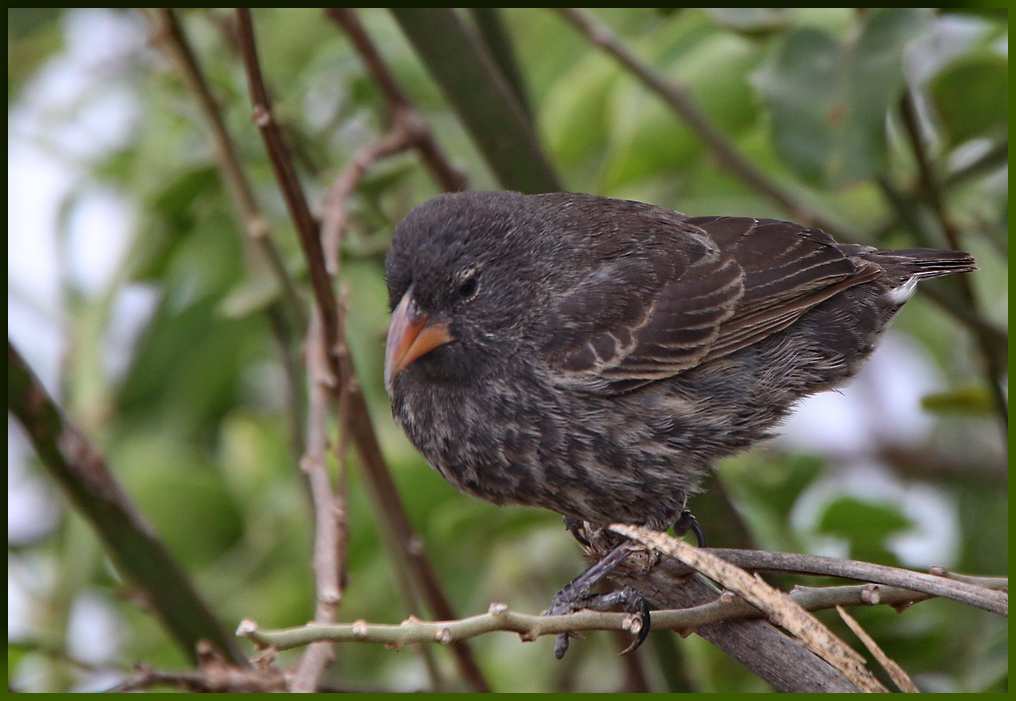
(983, 593)
(780, 609)
(500, 619)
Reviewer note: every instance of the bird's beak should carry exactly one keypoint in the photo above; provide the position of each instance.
(411, 334)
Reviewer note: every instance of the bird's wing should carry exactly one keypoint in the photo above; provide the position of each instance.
(752, 278)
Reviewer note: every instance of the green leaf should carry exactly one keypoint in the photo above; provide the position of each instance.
(829, 98)
(971, 97)
(751, 21)
(966, 400)
(866, 525)
(482, 97)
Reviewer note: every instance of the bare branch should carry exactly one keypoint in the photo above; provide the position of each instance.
(779, 608)
(499, 618)
(168, 34)
(395, 527)
(78, 467)
(900, 678)
(981, 593)
(327, 567)
(335, 218)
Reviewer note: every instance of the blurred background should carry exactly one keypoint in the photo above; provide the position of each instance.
(129, 296)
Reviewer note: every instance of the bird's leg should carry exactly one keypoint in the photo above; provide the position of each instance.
(575, 527)
(687, 522)
(578, 595)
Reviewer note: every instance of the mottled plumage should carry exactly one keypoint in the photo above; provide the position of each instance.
(594, 356)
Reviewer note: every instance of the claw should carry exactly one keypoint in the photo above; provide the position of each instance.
(574, 526)
(642, 616)
(687, 522)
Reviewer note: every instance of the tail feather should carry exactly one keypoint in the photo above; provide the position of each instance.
(927, 262)
(915, 262)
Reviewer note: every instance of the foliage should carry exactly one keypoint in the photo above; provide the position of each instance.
(890, 123)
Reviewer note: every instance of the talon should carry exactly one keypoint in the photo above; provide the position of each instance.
(687, 522)
(644, 619)
(577, 595)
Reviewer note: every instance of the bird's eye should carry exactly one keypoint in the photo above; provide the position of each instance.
(468, 288)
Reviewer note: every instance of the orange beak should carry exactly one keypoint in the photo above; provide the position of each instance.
(411, 335)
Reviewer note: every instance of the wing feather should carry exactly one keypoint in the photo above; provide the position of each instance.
(721, 284)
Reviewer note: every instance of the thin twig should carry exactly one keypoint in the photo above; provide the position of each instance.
(679, 98)
(288, 180)
(931, 189)
(400, 107)
(779, 608)
(335, 215)
(529, 627)
(168, 34)
(327, 569)
(900, 678)
(396, 527)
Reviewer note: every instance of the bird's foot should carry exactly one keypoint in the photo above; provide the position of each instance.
(578, 595)
(577, 527)
(687, 522)
(569, 600)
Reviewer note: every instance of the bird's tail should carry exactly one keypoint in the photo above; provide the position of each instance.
(917, 263)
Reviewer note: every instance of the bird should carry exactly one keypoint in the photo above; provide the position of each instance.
(596, 356)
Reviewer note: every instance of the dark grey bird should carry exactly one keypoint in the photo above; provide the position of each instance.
(594, 356)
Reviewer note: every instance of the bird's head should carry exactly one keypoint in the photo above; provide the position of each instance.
(460, 279)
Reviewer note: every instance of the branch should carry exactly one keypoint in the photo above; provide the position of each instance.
(940, 583)
(529, 627)
(396, 527)
(289, 182)
(478, 92)
(330, 527)
(781, 610)
(401, 110)
(79, 468)
(759, 646)
(168, 34)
